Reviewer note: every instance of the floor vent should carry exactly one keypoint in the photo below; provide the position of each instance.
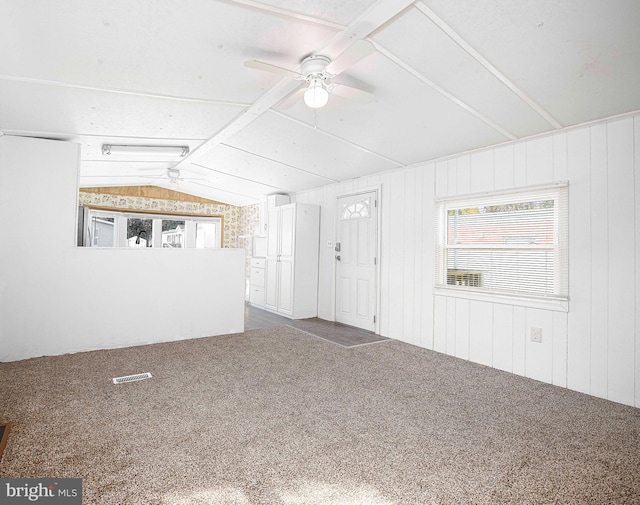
(131, 378)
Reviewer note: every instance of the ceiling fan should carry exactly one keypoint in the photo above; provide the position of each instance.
(174, 178)
(318, 72)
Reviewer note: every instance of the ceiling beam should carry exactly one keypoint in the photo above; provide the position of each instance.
(271, 160)
(74, 137)
(277, 11)
(453, 35)
(101, 89)
(204, 167)
(370, 20)
(339, 139)
(405, 66)
(247, 199)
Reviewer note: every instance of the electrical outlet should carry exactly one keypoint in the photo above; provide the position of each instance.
(329, 243)
(536, 334)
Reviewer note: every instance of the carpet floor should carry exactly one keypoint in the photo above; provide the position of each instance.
(276, 416)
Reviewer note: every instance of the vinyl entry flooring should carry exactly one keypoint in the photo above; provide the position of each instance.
(338, 333)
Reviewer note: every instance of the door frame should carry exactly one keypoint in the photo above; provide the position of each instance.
(368, 189)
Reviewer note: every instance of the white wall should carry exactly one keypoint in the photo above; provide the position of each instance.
(56, 298)
(592, 348)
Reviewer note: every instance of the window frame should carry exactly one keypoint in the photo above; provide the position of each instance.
(120, 227)
(559, 299)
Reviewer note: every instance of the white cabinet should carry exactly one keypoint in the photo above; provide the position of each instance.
(276, 200)
(291, 282)
(257, 281)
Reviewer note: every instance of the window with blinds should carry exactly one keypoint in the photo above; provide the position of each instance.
(506, 243)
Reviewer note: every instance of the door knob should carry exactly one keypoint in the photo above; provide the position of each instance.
(338, 257)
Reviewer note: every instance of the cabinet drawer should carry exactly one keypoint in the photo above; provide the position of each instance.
(258, 262)
(256, 296)
(257, 276)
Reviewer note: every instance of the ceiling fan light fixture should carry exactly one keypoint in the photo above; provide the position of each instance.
(174, 177)
(129, 150)
(316, 95)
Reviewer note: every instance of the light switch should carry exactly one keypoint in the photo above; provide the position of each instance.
(536, 334)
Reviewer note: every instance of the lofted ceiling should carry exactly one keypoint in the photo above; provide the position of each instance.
(447, 76)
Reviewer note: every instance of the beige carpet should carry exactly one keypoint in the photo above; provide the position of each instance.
(276, 416)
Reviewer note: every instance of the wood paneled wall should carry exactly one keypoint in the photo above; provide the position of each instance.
(592, 348)
(149, 192)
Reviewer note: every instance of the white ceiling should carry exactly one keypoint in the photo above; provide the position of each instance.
(448, 76)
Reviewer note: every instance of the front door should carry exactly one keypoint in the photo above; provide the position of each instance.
(356, 248)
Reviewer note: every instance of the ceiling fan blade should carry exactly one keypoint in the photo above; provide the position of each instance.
(267, 67)
(351, 93)
(351, 56)
(293, 97)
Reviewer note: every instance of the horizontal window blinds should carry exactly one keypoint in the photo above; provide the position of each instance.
(505, 242)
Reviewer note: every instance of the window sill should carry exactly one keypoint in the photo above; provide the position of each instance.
(555, 305)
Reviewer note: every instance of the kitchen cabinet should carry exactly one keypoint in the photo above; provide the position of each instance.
(257, 281)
